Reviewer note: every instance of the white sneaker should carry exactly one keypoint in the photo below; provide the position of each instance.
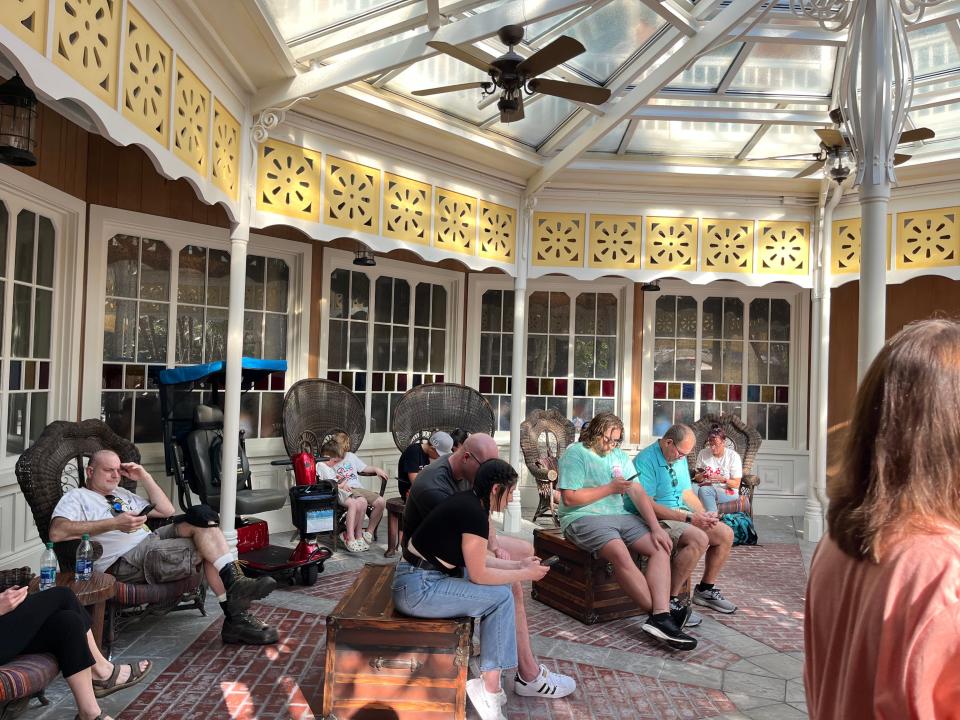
(486, 704)
(546, 684)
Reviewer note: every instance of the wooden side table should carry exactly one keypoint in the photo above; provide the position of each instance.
(394, 514)
(93, 595)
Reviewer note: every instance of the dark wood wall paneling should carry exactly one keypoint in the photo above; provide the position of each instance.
(61, 153)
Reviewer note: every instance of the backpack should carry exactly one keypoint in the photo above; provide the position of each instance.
(742, 526)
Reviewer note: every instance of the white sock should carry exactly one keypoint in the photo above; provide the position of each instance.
(221, 562)
(222, 598)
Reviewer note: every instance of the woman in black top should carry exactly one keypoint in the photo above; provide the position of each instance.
(430, 581)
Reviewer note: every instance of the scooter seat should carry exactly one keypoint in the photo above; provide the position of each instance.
(250, 502)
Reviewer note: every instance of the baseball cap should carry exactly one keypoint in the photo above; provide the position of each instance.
(442, 442)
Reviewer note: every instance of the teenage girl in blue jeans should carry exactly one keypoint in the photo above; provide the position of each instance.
(446, 572)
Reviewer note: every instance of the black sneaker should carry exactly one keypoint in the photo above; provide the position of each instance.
(241, 590)
(665, 629)
(245, 629)
(680, 613)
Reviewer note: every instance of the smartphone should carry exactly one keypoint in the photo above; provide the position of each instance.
(550, 561)
(146, 511)
(633, 477)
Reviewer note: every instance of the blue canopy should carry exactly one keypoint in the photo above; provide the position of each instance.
(251, 368)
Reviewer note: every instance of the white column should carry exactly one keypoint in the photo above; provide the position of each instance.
(511, 518)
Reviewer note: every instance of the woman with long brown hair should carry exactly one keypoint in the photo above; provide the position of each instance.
(882, 624)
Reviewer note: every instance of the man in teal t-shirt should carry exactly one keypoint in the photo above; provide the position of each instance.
(665, 476)
(592, 515)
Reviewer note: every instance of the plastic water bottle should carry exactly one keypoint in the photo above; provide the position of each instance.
(84, 566)
(48, 568)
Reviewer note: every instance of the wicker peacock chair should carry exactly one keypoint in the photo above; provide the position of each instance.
(745, 440)
(314, 409)
(544, 435)
(55, 463)
(440, 406)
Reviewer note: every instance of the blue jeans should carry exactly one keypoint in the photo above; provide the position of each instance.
(712, 495)
(433, 594)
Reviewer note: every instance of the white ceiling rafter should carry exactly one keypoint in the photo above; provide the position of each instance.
(813, 118)
(756, 138)
(734, 68)
(377, 61)
(679, 18)
(574, 18)
(710, 33)
(627, 136)
(738, 96)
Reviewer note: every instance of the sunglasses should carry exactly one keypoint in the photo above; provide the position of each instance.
(117, 505)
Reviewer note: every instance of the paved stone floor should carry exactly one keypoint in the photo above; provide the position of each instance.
(748, 665)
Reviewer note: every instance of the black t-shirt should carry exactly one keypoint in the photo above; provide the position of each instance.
(439, 536)
(434, 484)
(411, 461)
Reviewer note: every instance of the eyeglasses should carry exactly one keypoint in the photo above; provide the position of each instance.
(473, 457)
(610, 441)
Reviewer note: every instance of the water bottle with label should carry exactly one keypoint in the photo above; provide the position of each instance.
(48, 568)
(84, 566)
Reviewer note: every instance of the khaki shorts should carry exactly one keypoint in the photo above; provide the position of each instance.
(674, 528)
(369, 495)
(160, 558)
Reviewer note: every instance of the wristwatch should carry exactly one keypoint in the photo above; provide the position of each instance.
(688, 518)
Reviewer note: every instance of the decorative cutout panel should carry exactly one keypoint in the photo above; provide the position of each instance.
(191, 119)
(147, 64)
(86, 44)
(671, 243)
(288, 180)
(455, 219)
(558, 239)
(845, 246)
(406, 209)
(498, 231)
(616, 241)
(727, 246)
(28, 21)
(927, 239)
(784, 247)
(352, 196)
(225, 170)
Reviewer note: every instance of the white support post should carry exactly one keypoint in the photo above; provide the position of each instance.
(511, 518)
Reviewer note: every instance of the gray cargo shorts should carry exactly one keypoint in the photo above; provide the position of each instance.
(161, 557)
(592, 532)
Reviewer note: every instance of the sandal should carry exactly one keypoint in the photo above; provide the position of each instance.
(102, 688)
(352, 545)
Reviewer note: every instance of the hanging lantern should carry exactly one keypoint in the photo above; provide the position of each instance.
(18, 120)
(363, 256)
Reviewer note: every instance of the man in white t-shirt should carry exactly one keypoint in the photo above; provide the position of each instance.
(344, 468)
(115, 518)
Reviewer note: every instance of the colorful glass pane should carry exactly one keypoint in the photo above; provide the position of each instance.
(546, 386)
(560, 386)
(706, 392)
(500, 385)
(112, 376)
(753, 393)
(401, 382)
(593, 388)
(766, 394)
(44, 382)
(659, 390)
(533, 386)
(486, 384)
(417, 379)
(333, 375)
(736, 393)
(438, 378)
(277, 381)
(608, 388)
(580, 388)
(689, 391)
(674, 391)
(783, 395)
(389, 379)
(377, 382)
(347, 379)
(360, 382)
(720, 392)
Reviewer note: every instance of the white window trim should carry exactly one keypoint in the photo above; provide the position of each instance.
(453, 281)
(106, 222)
(623, 289)
(799, 299)
(68, 215)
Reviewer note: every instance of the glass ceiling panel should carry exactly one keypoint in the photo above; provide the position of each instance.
(943, 120)
(444, 70)
(790, 69)
(611, 35)
(933, 50)
(296, 18)
(786, 140)
(706, 139)
(541, 118)
(608, 143)
(707, 72)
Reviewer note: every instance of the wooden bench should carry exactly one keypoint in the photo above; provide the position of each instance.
(382, 664)
(580, 585)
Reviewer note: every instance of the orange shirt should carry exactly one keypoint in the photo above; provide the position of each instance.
(882, 640)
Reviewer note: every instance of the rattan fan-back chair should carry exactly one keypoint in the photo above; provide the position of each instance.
(544, 436)
(439, 406)
(745, 440)
(55, 464)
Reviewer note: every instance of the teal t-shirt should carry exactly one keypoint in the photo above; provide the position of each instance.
(581, 467)
(657, 480)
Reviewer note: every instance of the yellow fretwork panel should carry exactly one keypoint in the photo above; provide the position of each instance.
(784, 247)
(498, 231)
(616, 241)
(147, 64)
(288, 180)
(86, 44)
(558, 239)
(28, 21)
(406, 209)
(191, 120)
(226, 150)
(352, 196)
(927, 239)
(845, 246)
(455, 219)
(671, 243)
(727, 246)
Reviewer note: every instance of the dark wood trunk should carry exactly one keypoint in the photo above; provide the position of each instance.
(381, 664)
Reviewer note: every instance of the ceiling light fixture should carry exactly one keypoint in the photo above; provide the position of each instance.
(363, 256)
(18, 122)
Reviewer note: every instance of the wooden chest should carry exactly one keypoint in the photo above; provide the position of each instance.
(381, 664)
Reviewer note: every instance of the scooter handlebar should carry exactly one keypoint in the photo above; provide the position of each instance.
(288, 462)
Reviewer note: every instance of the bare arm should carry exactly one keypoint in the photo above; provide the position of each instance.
(62, 529)
(643, 504)
(585, 496)
(691, 500)
(485, 570)
(158, 498)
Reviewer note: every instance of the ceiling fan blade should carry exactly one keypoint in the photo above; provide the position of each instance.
(899, 159)
(449, 88)
(787, 157)
(508, 116)
(571, 91)
(461, 54)
(916, 135)
(830, 137)
(549, 56)
(810, 169)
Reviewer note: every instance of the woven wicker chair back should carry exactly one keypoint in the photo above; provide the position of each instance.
(62, 450)
(745, 438)
(545, 433)
(440, 406)
(314, 409)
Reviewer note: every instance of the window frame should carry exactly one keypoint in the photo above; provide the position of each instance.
(799, 301)
(106, 222)
(452, 280)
